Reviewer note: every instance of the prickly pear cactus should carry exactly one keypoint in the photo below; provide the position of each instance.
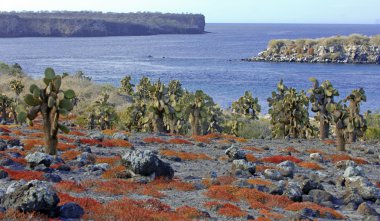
(17, 86)
(126, 85)
(51, 102)
(321, 96)
(357, 123)
(143, 89)
(174, 118)
(341, 119)
(289, 113)
(104, 112)
(247, 106)
(5, 104)
(159, 105)
(197, 111)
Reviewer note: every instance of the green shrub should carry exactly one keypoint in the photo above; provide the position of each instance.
(255, 129)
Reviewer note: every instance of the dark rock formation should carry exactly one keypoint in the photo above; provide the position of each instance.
(96, 24)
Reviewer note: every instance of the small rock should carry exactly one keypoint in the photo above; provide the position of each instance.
(98, 167)
(234, 153)
(366, 210)
(35, 195)
(319, 196)
(277, 189)
(244, 165)
(6, 162)
(71, 211)
(146, 163)
(14, 142)
(316, 157)
(272, 174)
(343, 164)
(353, 171)
(51, 177)
(370, 152)
(96, 135)
(366, 189)
(286, 168)
(64, 167)
(308, 185)
(86, 158)
(38, 158)
(293, 191)
(120, 136)
(352, 199)
(3, 174)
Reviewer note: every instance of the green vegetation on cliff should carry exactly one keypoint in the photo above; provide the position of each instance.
(90, 24)
(354, 48)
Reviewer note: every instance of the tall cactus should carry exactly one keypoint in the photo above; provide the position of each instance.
(247, 106)
(321, 96)
(275, 107)
(5, 104)
(341, 118)
(357, 124)
(51, 102)
(17, 86)
(104, 112)
(289, 113)
(126, 85)
(174, 119)
(159, 105)
(197, 110)
(143, 89)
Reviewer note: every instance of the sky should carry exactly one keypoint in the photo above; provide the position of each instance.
(224, 11)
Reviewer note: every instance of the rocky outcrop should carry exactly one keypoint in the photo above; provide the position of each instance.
(146, 163)
(38, 196)
(356, 49)
(95, 24)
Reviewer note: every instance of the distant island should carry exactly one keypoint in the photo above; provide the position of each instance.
(96, 24)
(353, 49)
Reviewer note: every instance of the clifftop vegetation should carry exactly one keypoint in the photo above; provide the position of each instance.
(354, 48)
(87, 24)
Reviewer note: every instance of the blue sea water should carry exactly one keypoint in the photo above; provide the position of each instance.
(210, 62)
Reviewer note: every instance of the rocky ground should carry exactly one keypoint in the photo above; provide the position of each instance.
(112, 175)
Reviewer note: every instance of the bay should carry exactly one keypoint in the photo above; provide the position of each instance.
(210, 62)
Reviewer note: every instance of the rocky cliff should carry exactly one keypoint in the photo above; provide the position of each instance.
(93, 24)
(356, 49)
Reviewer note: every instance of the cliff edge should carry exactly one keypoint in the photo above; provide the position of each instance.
(96, 24)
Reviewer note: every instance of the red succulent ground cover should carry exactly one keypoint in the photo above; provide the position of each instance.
(185, 155)
(116, 143)
(314, 206)
(279, 159)
(154, 140)
(179, 141)
(23, 174)
(310, 165)
(225, 209)
(339, 157)
(69, 186)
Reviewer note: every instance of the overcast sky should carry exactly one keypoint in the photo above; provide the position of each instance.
(231, 11)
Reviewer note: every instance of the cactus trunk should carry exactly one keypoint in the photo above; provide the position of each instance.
(340, 141)
(323, 128)
(4, 115)
(196, 124)
(352, 137)
(50, 120)
(158, 123)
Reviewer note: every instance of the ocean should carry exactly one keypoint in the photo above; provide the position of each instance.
(210, 62)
